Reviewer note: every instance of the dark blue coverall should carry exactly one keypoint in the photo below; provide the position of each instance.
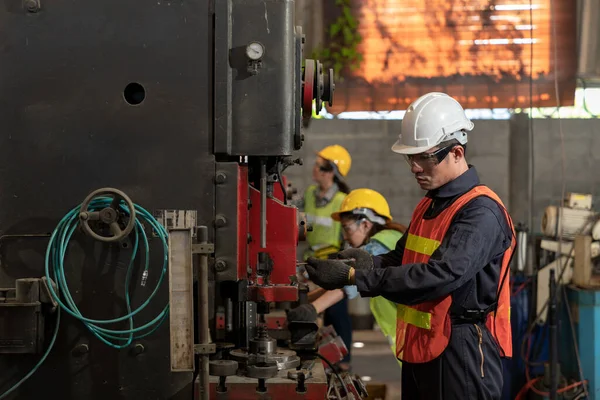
(466, 265)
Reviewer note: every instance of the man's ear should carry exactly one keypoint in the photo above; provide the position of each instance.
(459, 153)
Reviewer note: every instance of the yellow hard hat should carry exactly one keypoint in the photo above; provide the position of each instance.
(339, 156)
(364, 198)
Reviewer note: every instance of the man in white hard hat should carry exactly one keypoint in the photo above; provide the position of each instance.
(450, 274)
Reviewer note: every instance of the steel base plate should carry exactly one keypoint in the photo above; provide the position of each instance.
(284, 358)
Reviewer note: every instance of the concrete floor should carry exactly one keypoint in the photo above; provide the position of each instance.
(375, 360)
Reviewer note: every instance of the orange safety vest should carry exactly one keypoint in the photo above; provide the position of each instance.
(423, 330)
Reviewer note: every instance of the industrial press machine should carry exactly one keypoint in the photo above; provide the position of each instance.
(145, 235)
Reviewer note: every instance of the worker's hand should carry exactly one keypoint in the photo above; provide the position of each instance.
(363, 260)
(329, 274)
(305, 312)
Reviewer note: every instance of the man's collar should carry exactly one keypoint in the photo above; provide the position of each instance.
(458, 186)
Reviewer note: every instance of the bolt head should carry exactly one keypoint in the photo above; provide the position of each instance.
(81, 349)
(138, 349)
(220, 265)
(220, 177)
(32, 6)
(220, 221)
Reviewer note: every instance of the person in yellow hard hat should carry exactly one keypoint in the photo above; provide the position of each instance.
(320, 200)
(367, 224)
(323, 198)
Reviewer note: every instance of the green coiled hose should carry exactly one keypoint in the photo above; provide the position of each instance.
(55, 270)
(56, 253)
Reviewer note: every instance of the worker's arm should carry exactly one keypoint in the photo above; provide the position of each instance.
(478, 235)
(328, 299)
(315, 294)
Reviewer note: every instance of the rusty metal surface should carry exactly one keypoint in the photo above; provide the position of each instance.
(181, 299)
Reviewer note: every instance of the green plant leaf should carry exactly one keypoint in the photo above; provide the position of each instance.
(334, 29)
(341, 52)
(347, 11)
(348, 36)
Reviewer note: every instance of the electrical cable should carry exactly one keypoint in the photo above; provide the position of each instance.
(280, 179)
(521, 287)
(332, 369)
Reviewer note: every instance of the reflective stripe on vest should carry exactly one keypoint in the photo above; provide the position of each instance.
(421, 245)
(423, 330)
(326, 233)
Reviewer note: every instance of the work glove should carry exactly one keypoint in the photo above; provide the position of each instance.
(305, 312)
(329, 274)
(362, 259)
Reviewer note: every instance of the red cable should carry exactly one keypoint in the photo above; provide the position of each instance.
(521, 287)
(530, 382)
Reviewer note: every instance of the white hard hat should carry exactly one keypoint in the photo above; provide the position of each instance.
(431, 119)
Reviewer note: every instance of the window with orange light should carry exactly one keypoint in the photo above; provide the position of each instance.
(485, 53)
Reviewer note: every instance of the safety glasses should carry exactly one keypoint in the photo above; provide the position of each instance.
(351, 227)
(429, 160)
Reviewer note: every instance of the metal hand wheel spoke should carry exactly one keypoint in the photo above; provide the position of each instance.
(115, 203)
(115, 229)
(91, 215)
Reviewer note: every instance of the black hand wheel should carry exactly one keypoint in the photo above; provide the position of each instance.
(109, 215)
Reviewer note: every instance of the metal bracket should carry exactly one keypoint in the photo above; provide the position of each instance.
(203, 248)
(210, 348)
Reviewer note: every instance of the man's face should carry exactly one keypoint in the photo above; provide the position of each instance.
(435, 167)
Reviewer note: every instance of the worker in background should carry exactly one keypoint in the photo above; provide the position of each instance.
(449, 274)
(320, 200)
(367, 224)
(323, 198)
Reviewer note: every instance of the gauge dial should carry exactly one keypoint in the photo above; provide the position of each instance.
(255, 51)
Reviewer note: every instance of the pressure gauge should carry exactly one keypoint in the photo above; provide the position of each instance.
(255, 51)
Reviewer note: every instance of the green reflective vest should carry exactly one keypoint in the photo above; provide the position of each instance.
(384, 310)
(326, 235)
